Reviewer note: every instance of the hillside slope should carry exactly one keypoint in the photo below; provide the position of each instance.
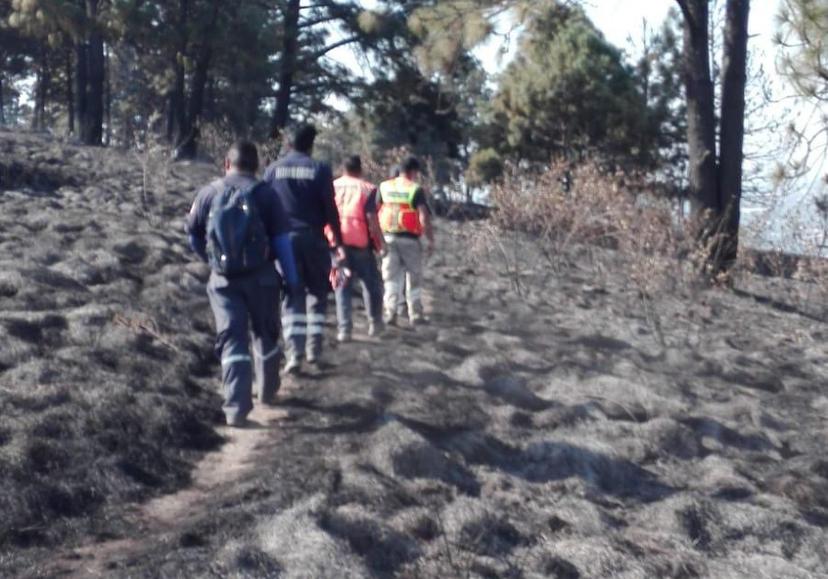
(547, 435)
(106, 391)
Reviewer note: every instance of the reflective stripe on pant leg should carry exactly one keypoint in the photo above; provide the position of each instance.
(294, 325)
(230, 311)
(317, 304)
(267, 372)
(275, 351)
(316, 324)
(263, 303)
(235, 359)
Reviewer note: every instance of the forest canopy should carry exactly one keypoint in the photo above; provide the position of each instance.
(122, 72)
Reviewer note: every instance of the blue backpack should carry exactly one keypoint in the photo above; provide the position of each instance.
(237, 242)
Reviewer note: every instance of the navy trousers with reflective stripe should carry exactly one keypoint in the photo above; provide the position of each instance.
(240, 305)
(304, 313)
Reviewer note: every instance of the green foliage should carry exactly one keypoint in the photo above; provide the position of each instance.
(659, 77)
(803, 34)
(407, 109)
(569, 94)
(174, 67)
(485, 166)
(447, 30)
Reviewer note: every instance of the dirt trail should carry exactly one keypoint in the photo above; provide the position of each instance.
(170, 513)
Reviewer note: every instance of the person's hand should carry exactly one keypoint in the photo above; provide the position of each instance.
(339, 254)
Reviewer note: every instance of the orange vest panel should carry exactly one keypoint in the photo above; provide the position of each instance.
(352, 195)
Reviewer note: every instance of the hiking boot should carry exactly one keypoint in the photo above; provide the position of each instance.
(419, 320)
(342, 337)
(236, 421)
(269, 401)
(294, 365)
(376, 328)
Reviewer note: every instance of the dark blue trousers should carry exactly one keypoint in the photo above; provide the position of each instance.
(240, 305)
(304, 313)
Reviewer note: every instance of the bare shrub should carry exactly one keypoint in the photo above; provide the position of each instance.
(154, 155)
(571, 213)
(545, 223)
(214, 139)
(545, 205)
(796, 263)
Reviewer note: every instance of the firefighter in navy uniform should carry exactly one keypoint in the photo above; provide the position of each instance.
(304, 187)
(244, 285)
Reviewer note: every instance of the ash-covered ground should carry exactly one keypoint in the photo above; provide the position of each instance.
(552, 434)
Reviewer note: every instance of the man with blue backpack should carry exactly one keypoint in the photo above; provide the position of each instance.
(239, 227)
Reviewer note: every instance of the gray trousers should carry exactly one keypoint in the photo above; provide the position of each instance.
(402, 272)
(304, 313)
(240, 305)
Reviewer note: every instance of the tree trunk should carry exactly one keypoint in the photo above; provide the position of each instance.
(2, 104)
(287, 67)
(701, 124)
(210, 99)
(732, 127)
(107, 97)
(81, 68)
(195, 106)
(90, 79)
(93, 123)
(188, 146)
(176, 113)
(70, 95)
(41, 86)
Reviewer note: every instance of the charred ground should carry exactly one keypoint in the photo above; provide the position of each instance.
(104, 349)
(555, 434)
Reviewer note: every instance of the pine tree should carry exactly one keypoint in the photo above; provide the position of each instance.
(569, 94)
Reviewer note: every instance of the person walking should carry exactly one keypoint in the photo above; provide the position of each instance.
(356, 200)
(238, 226)
(404, 218)
(305, 188)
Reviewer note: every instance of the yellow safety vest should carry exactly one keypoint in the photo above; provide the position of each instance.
(397, 213)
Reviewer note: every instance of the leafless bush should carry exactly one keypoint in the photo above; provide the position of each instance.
(572, 212)
(215, 138)
(573, 215)
(155, 158)
(797, 263)
(559, 215)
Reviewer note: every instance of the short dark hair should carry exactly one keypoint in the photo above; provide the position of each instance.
(353, 165)
(244, 156)
(410, 165)
(303, 138)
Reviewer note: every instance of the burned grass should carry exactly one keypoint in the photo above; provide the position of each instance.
(545, 428)
(93, 412)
